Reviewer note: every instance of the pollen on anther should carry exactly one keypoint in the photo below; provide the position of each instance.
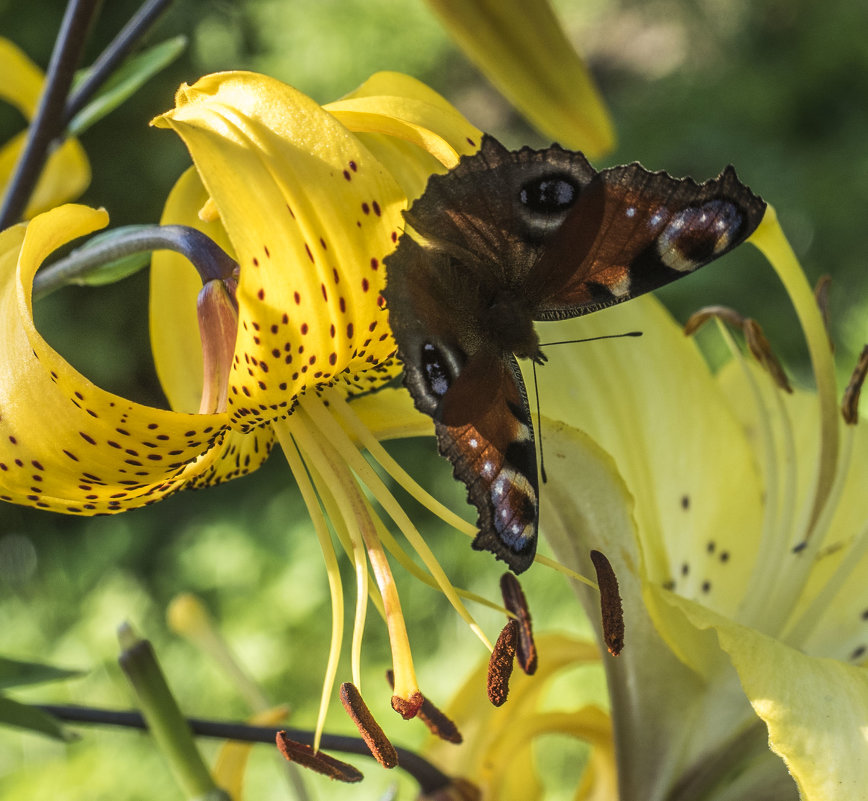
(375, 738)
(500, 664)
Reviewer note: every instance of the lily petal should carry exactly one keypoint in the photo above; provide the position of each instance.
(404, 108)
(654, 406)
(586, 505)
(524, 51)
(326, 214)
(66, 444)
(815, 709)
(22, 82)
(67, 171)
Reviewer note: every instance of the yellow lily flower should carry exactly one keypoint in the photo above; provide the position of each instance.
(734, 516)
(67, 171)
(525, 52)
(497, 758)
(308, 209)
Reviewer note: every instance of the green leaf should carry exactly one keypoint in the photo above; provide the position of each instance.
(132, 75)
(15, 673)
(27, 717)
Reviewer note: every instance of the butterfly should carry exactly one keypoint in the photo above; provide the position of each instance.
(509, 237)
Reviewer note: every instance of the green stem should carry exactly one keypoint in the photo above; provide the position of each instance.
(164, 719)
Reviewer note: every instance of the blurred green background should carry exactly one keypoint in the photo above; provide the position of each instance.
(777, 88)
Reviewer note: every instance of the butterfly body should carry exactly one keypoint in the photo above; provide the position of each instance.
(510, 237)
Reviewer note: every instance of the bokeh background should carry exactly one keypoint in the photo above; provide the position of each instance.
(776, 87)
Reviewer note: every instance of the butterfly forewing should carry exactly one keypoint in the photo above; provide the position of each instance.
(647, 230)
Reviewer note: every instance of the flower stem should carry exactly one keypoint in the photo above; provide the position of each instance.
(164, 719)
(48, 122)
(110, 58)
(211, 261)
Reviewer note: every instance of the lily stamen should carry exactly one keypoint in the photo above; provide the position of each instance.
(437, 722)
(317, 761)
(850, 402)
(515, 602)
(500, 664)
(375, 738)
(610, 603)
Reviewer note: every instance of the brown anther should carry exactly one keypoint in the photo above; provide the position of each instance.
(762, 350)
(700, 317)
(515, 602)
(437, 722)
(850, 404)
(821, 294)
(378, 744)
(610, 603)
(304, 755)
(408, 707)
(500, 664)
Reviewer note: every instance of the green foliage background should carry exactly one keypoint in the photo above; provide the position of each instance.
(777, 88)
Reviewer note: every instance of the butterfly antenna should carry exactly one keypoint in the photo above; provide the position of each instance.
(542, 464)
(592, 339)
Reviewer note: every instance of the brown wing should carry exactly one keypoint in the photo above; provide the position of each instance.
(477, 212)
(632, 231)
(483, 427)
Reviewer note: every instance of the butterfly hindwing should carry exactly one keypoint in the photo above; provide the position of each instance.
(484, 428)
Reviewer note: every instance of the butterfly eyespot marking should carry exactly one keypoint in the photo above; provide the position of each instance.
(697, 234)
(436, 375)
(513, 499)
(438, 369)
(552, 194)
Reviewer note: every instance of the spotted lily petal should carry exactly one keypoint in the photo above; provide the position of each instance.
(66, 444)
(67, 171)
(524, 51)
(321, 202)
(403, 108)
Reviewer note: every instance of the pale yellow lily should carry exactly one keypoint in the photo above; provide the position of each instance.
(735, 518)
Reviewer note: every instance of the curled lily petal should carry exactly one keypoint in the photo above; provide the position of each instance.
(526, 54)
(311, 268)
(498, 744)
(403, 108)
(68, 445)
(67, 171)
(815, 709)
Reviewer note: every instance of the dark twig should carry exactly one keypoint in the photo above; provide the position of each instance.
(110, 58)
(47, 124)
(428, 777)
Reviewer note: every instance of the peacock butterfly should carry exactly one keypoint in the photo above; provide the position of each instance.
(509, 237)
